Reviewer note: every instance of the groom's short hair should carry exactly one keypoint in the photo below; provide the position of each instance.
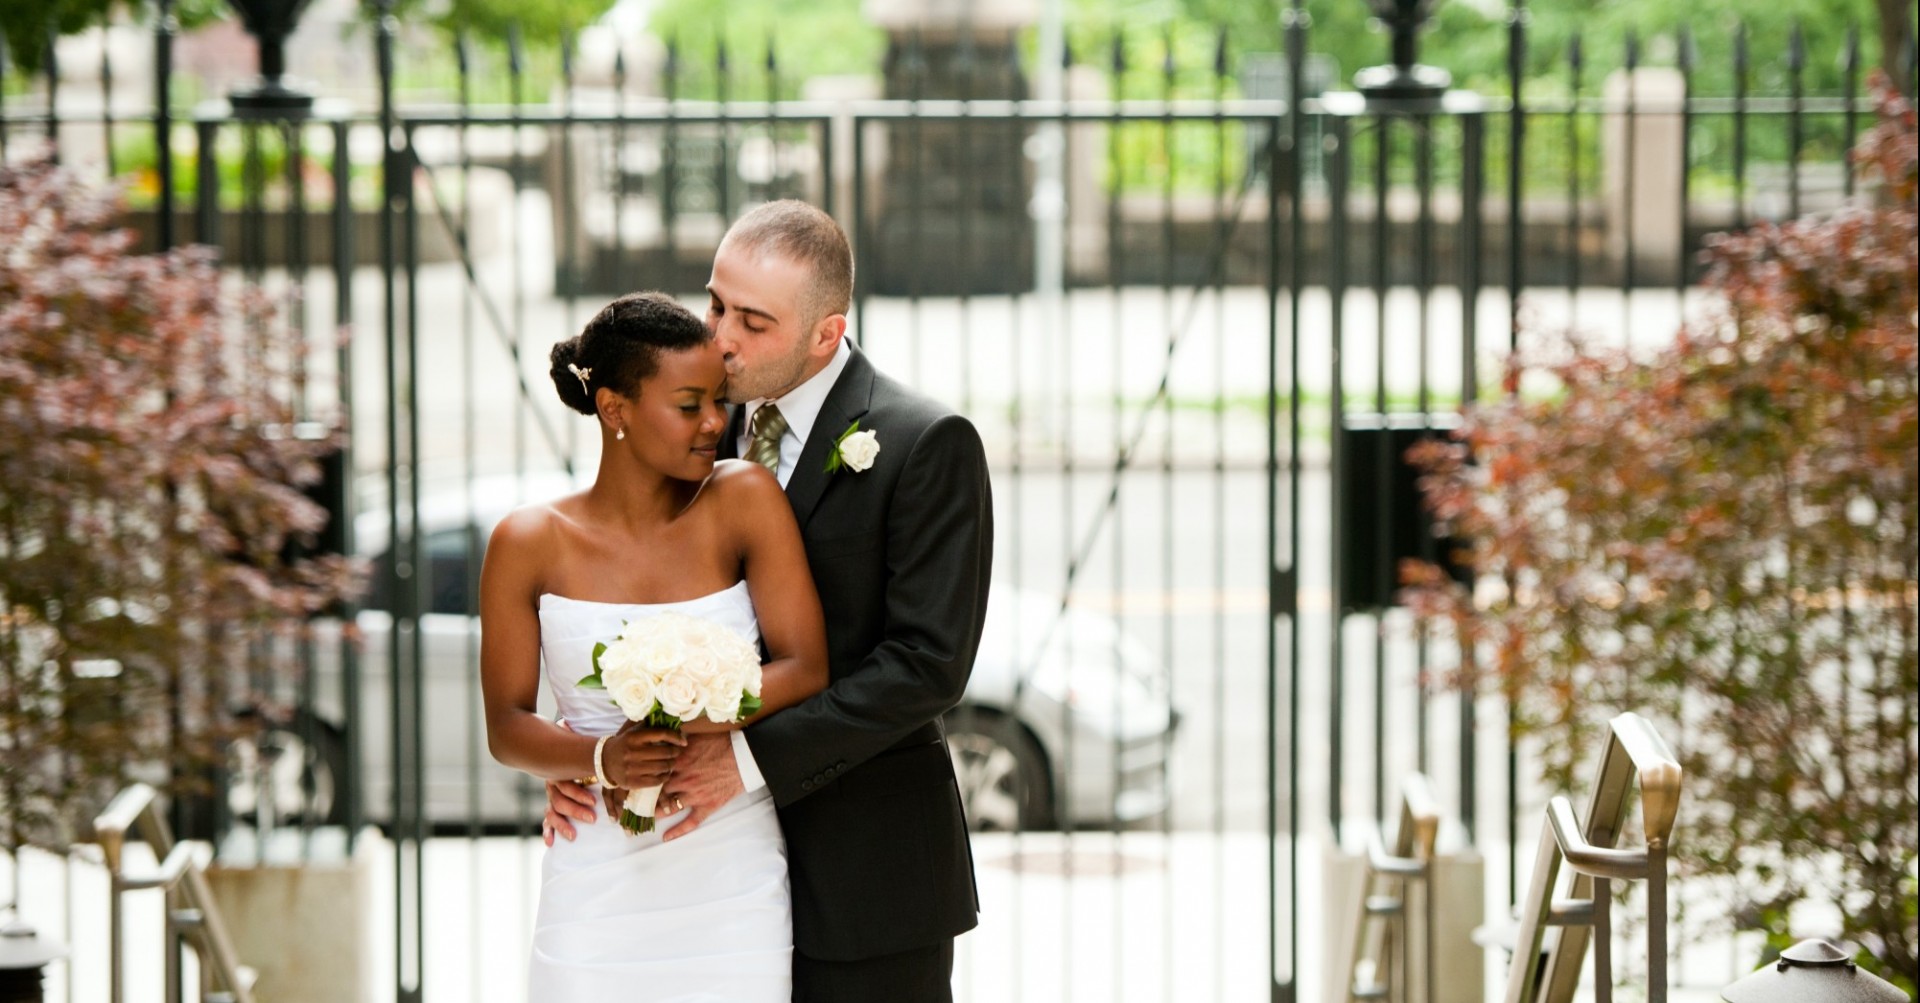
(796, 230)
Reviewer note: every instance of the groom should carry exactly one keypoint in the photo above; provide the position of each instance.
(900, 542)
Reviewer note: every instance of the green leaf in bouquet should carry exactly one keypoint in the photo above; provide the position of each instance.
(592, 680)
(749, 705)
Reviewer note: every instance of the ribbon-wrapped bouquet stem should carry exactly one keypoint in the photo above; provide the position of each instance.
(669, 669)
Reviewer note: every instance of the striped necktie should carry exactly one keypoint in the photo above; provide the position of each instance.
(768, 426)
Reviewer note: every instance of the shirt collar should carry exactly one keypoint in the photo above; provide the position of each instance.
(801, 405)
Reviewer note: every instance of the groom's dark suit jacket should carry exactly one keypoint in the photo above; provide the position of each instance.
(876, 841)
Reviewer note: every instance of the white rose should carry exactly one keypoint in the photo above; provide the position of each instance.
(858, 450)
(633, 692)
(703, 665)
(659, 648)
(617, 658)
(742, 662)
(746, 662)
(680, 697)
(724, 705)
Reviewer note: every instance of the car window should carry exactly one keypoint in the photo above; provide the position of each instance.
(450, 588)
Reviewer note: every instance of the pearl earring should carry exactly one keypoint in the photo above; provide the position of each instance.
(620, 433)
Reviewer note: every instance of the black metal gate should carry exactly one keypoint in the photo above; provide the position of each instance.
(1196, 333)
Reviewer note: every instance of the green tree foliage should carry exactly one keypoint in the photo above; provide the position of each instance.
(26, 23)
(1468, 38)
(1726, 538)
(490, 21)
(808, 37)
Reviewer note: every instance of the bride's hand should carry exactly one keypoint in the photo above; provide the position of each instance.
(640, 756)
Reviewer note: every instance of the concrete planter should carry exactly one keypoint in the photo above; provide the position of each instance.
(305, 925)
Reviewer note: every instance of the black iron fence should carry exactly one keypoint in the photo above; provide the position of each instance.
(1196, 332)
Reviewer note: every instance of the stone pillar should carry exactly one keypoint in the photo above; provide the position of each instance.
(841, 92)
(1087, 234)
(1643, 197)
(951, 214)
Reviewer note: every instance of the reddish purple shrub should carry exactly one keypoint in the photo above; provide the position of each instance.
(146, 507)
(1725, 537)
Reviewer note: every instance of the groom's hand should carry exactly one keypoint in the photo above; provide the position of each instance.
(704, 778)
(566, 800)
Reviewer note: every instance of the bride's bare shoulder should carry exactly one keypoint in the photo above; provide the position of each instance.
(739, 480)
(739, 489)
(535, 524)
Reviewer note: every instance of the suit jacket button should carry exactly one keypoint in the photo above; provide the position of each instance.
(806, 785)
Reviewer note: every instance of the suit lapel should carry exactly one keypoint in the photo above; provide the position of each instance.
(846, 403)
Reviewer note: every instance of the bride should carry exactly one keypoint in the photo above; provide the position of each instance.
(663, 528)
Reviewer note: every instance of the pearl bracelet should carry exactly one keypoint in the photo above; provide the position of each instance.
(599, 760)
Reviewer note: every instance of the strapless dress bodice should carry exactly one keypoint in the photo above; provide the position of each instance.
(569, 628)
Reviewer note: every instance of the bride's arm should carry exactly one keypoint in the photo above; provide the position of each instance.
(510, 585)
(758, 516)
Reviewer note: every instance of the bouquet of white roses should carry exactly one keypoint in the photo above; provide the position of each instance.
(672, 668)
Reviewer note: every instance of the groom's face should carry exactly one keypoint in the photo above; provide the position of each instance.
(754, 309)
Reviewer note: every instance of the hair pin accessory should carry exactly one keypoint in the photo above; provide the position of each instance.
(581, 373)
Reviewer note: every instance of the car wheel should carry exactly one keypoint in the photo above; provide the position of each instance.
(296, 768)
(1004, 780)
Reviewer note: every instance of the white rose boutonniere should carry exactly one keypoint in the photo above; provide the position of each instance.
(854, 449)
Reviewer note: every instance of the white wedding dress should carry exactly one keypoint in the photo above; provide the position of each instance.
(706, 917)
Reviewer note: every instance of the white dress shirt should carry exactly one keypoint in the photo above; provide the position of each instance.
(801, 407)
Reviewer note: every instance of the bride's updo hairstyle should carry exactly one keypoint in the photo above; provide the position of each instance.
(621, 346)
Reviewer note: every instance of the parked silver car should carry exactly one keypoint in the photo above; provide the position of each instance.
(1066, 717)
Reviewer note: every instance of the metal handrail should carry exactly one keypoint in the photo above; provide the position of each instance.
(1634, 751)
(193, 919)
(1410, 860)
(1598, 861)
